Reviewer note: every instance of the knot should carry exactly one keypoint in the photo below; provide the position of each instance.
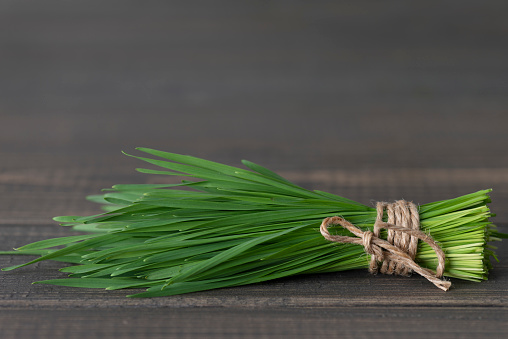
(367, 242)
(369, 247)
(397, 253)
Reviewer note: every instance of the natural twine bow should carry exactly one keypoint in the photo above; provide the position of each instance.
(397, 253)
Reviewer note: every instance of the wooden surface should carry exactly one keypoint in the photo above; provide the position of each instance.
(372, 101)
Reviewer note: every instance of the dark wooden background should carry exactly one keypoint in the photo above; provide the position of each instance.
(373, 100)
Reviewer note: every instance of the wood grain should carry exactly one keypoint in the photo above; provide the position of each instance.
(372, 101)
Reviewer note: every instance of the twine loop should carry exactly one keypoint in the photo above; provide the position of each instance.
(396, 254)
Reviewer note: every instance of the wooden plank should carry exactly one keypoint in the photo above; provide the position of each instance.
(352, 288)
(343, 322)
(62, 190)
(318, 305)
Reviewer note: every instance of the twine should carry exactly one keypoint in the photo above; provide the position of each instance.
(395, 255)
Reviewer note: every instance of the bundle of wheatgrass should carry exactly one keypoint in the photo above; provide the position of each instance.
(228, 226)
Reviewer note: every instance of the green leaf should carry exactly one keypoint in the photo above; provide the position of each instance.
(232, 226)
(55, 242)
